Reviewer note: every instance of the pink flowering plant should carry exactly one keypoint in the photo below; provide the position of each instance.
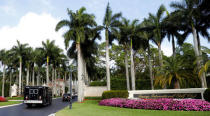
(159, 104)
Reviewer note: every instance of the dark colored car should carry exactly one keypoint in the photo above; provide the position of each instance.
(66, 97)
(38, 95)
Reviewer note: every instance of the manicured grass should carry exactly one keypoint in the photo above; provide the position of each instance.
(91, 108)
(9, 103)
(14, 98)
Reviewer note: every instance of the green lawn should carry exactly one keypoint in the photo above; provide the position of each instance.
(9, 103)
(14, 98)
(91, 108)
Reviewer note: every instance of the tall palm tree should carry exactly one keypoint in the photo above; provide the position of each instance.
(4, 60)
(148, 35)
(123, 38)
(39, 56)
(48, 49)
(191, 14)
(20, 51)
(110, 23)
(79, 25)
(156, 21)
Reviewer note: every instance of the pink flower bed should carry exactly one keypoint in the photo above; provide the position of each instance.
(159, 104)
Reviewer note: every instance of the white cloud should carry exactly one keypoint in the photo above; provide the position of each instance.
(32, 29)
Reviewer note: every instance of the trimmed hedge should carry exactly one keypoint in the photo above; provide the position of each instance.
(115, 94)
(98, 83)
(207, 95)
(120, 84)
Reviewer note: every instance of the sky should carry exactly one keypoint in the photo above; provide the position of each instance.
(34, 21)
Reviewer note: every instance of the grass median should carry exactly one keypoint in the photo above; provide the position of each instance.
(91, 108)
(9, 103)
(14, 98)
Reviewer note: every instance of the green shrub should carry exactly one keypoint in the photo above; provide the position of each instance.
(207, 95)
(98, 83)
(121, 84)
(115, 94)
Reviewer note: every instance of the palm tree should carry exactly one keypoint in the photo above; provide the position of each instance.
(156, 21)
(48, 49)
(39, 56)
(191, 14)
(20, 51)
(172, 72)
(79, 25)
(111, 23)
(148, 35)
(4, 60)
(122, 36)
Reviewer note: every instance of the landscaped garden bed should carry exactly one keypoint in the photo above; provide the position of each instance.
(91, 108)
(159, 104)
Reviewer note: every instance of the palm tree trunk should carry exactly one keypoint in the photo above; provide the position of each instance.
(79, 72)
(126, 69)
(176, 84)
(160, 55)
(197, 54)
(38, 78)
(150, 67)
(65, 76)
(84, 75)
(132, 69)
(2, 91)
(20, 74)
(173, 46)
(33, 76)
(55, 81)
(47, 70)
(27, 76)
(107, 62)
(201, 61)
(10, 82)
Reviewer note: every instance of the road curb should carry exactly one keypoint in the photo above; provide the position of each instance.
(57, 98)
(10, 105)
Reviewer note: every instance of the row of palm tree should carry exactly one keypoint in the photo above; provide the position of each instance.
(29, 61)
(189, 16)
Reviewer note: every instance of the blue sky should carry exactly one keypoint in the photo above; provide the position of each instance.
(33, 21)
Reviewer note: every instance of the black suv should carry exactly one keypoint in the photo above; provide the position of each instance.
(66, 97)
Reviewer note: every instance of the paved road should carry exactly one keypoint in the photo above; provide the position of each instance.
(23, 110)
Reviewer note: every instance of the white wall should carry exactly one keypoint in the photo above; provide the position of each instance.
(94, 91)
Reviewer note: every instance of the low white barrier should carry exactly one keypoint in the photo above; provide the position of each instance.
(94, 90)
(167, 91)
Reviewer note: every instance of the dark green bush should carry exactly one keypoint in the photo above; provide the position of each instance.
(98, 83)
(207, 95)
(115, 94)
(120, 84)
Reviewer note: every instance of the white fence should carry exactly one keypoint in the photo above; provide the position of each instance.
(94, 91)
